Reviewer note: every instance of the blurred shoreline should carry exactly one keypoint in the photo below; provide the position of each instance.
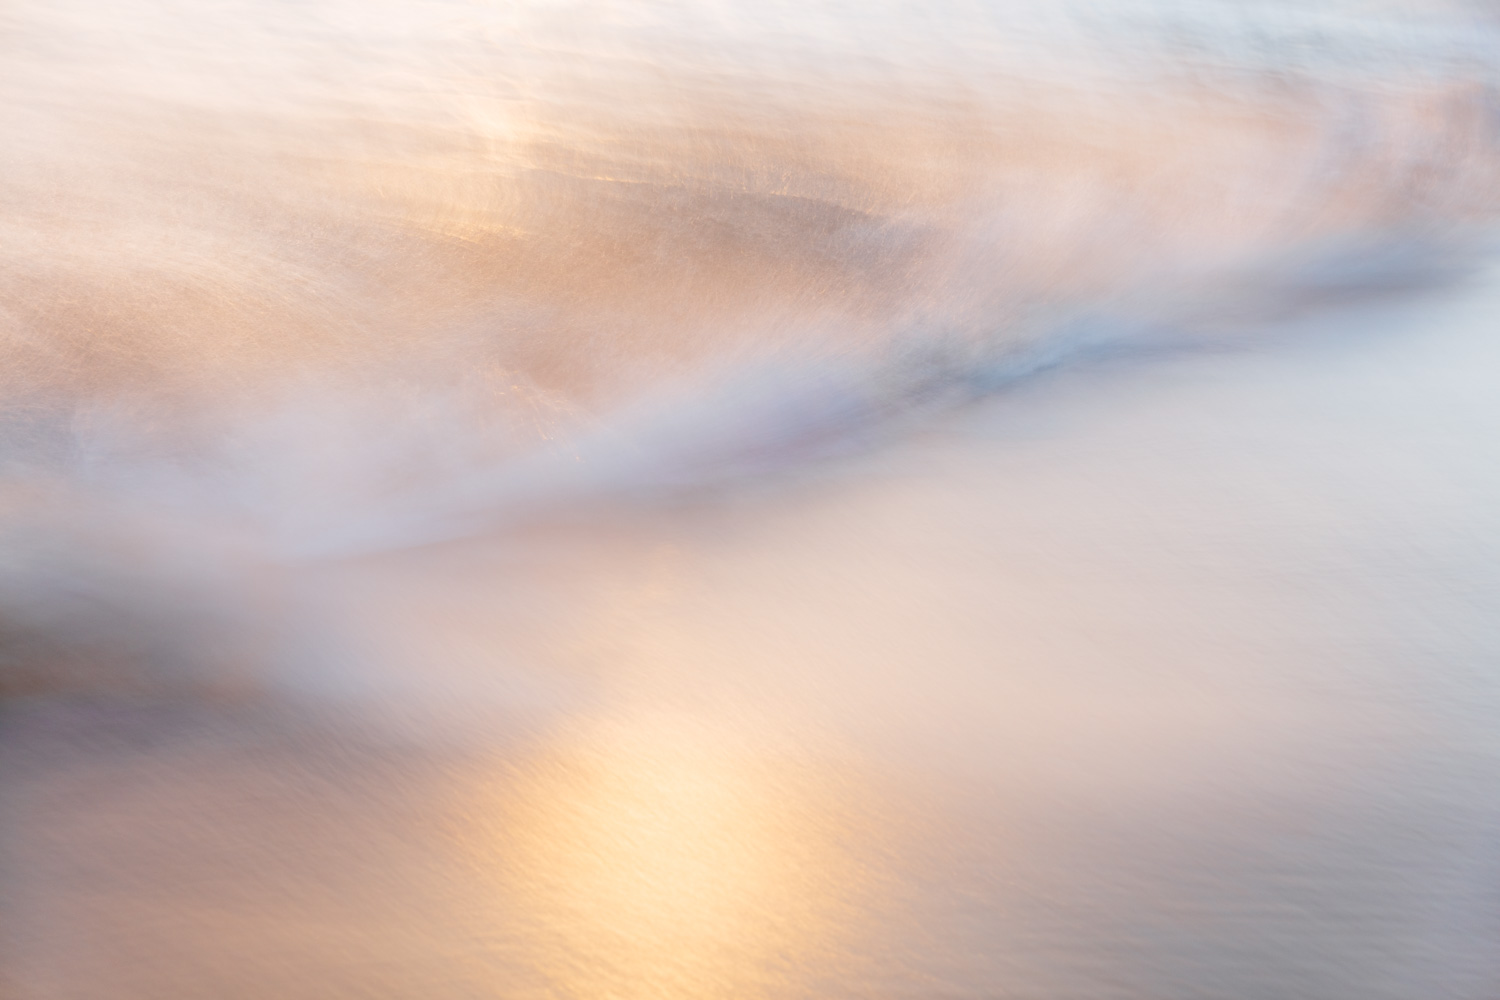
(721, 500)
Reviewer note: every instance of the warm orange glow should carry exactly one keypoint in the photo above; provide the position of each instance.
(650, 856)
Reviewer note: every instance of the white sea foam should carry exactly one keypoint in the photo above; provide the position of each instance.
(822, 499)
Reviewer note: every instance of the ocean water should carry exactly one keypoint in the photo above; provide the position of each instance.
(728, 500)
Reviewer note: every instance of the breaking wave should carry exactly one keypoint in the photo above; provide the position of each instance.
(291, 284)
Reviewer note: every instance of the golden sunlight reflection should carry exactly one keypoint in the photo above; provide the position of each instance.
(728, 500)
(657, 855)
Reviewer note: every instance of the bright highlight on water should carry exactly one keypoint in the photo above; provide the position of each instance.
(749, 500)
